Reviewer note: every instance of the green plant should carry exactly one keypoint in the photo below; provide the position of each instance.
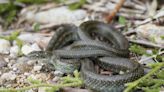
(138, 49)
(67, 81)
(122, 20)
(14, 36)
(36, 27)
(144, 82)
(77, 5)
(8, 12)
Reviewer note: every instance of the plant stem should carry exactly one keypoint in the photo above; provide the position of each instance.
(77, 83)
(135, 83)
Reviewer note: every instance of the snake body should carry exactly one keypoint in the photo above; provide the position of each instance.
(72, 47)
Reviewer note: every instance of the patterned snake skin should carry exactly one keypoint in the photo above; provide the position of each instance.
(92, 43)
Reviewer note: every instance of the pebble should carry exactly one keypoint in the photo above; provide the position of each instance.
(151, 32)
(8, 76)
(54, 15)
(37, 68)
(15, 69)
(30, 38)
(26, 74)
(43, 42)
(2, 62)
(146, 61)
(39, 76)
(22, 67)
(58, 73)
(26, 49)
(4, 46)
(55, 79)
(35, 47)
(31, 62)
(149, 51)
(14, 51)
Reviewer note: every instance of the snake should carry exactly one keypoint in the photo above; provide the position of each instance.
(92, 43)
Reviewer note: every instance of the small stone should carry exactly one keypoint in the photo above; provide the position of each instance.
(7, 59)
(145, 60)
(14, 51)
(43, 42)
(8, 76)
(151, 32)
(149, 51)
(29, 38)
(58, 73)
(4, 46)
(37, 68)
(56, 78)
(31, 62)
(55, 16)
(26, 74)
(26, 49)
(2, 62)
(23, 67)
(35, 47)
(15, 69)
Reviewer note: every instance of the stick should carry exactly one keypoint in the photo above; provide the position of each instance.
(146, 43)
(113, 13)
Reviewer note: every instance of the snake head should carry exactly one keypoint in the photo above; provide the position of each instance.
(39, 55)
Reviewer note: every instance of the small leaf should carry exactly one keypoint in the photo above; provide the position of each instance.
(5, 37)
(160, 74)
(77, 5)
(11, 37)
(76, 74)
(53, 89)
(152, 39)
(138, 49)
(122, 20)
(162, 37)
(20, 44)
(33, 81)
(36, 27)
(147, 89)
(14, 35)
(10, 17)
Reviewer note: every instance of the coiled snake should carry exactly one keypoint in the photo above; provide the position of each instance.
(74, 47)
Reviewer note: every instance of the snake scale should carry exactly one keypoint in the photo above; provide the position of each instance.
(92, 43)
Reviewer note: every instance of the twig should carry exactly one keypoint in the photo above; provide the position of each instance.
(134, 5)
(158, 17)
(73, 82)
(153, 56)
(146, 43)
(129, 32)
(138, 2)
(39, 85)
(131, 11)
(132, 16)
(113, 13)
